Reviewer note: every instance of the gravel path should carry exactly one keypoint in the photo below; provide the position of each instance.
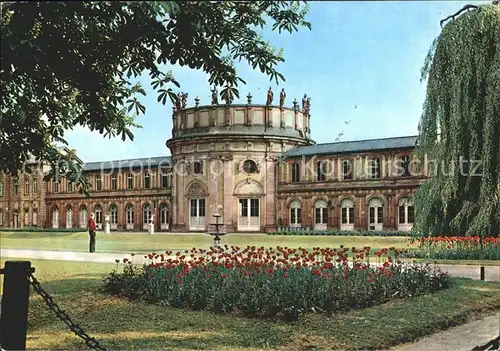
(492, 273)
(461, 338)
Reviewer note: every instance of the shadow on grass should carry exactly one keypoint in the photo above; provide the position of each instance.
(123, 324)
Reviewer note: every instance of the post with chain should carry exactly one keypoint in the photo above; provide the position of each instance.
(15, 302)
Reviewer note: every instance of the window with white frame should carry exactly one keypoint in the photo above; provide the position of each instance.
(295, 213)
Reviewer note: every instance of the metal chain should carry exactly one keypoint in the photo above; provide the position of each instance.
(89, 341)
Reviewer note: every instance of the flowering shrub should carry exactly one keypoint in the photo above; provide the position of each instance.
(281, 282)
(457, 248)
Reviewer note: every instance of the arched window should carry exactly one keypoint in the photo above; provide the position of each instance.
(69, 217)
(83, 216)
(249, 167)
(347, 214)
(375, 214)
(320, 215)
(130, 216)
(406, 214)
(1, 189)
(113, 211)
(295, 213)
(146, 214)
(164, 216)
(55, 218)
(98, 216)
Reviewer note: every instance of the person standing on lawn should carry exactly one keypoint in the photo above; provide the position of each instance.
(92, 227)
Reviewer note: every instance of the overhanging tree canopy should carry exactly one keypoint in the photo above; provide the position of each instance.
(72, 63)
(461, 121)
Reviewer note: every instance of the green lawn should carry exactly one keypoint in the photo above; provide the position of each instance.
(144, 243)
(122, 324)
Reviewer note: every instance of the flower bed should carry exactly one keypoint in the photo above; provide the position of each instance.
(279, 282)
(457, 248)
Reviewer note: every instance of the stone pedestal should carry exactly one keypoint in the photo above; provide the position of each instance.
(106, 224)
(151, 225)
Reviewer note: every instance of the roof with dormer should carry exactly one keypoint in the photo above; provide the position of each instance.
(404, 142)
(144, 162)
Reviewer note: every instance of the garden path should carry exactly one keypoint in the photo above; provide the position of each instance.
(492, 273)
(463, 337)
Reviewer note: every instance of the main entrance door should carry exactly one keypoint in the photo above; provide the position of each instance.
(197, 214)
(249, 215)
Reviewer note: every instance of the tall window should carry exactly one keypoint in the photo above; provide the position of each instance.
(375, 211)
(130, 214)
(405, 166)
(114, 182)
(56, 185)
(295, 214)
(406, 211)
(146, 214)
(16, 187)
(113, 211)
(347, 170)
(130, 182)
(254, 207)
(70, 186)
(1, 189)
(98, 214)
(347, 211)
(321, 212)
(26, 187)
(320, 171)
(295, 173)
(35, 186)
(164, 180)
(98, 182)
(147, 181)
(374, 168)
(163, 214)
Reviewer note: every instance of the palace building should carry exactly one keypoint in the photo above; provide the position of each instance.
(254, 165)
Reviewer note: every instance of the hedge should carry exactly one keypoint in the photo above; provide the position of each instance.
(341, 233)
(39, 229)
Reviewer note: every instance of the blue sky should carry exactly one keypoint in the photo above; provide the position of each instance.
(360, 63)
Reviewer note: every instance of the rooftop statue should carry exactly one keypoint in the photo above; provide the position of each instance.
(304, 103)
(282, 97)
(270, 95)
(184, 100)
(178, 102)
(215, 98)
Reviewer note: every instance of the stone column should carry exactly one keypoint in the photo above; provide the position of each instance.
(269, 198)
(228, 189)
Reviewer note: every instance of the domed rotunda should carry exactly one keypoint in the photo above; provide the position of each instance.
(225, 160)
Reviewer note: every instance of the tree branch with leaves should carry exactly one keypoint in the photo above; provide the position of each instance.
(66, 64)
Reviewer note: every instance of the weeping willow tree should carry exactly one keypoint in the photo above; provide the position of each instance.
(459, 130)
